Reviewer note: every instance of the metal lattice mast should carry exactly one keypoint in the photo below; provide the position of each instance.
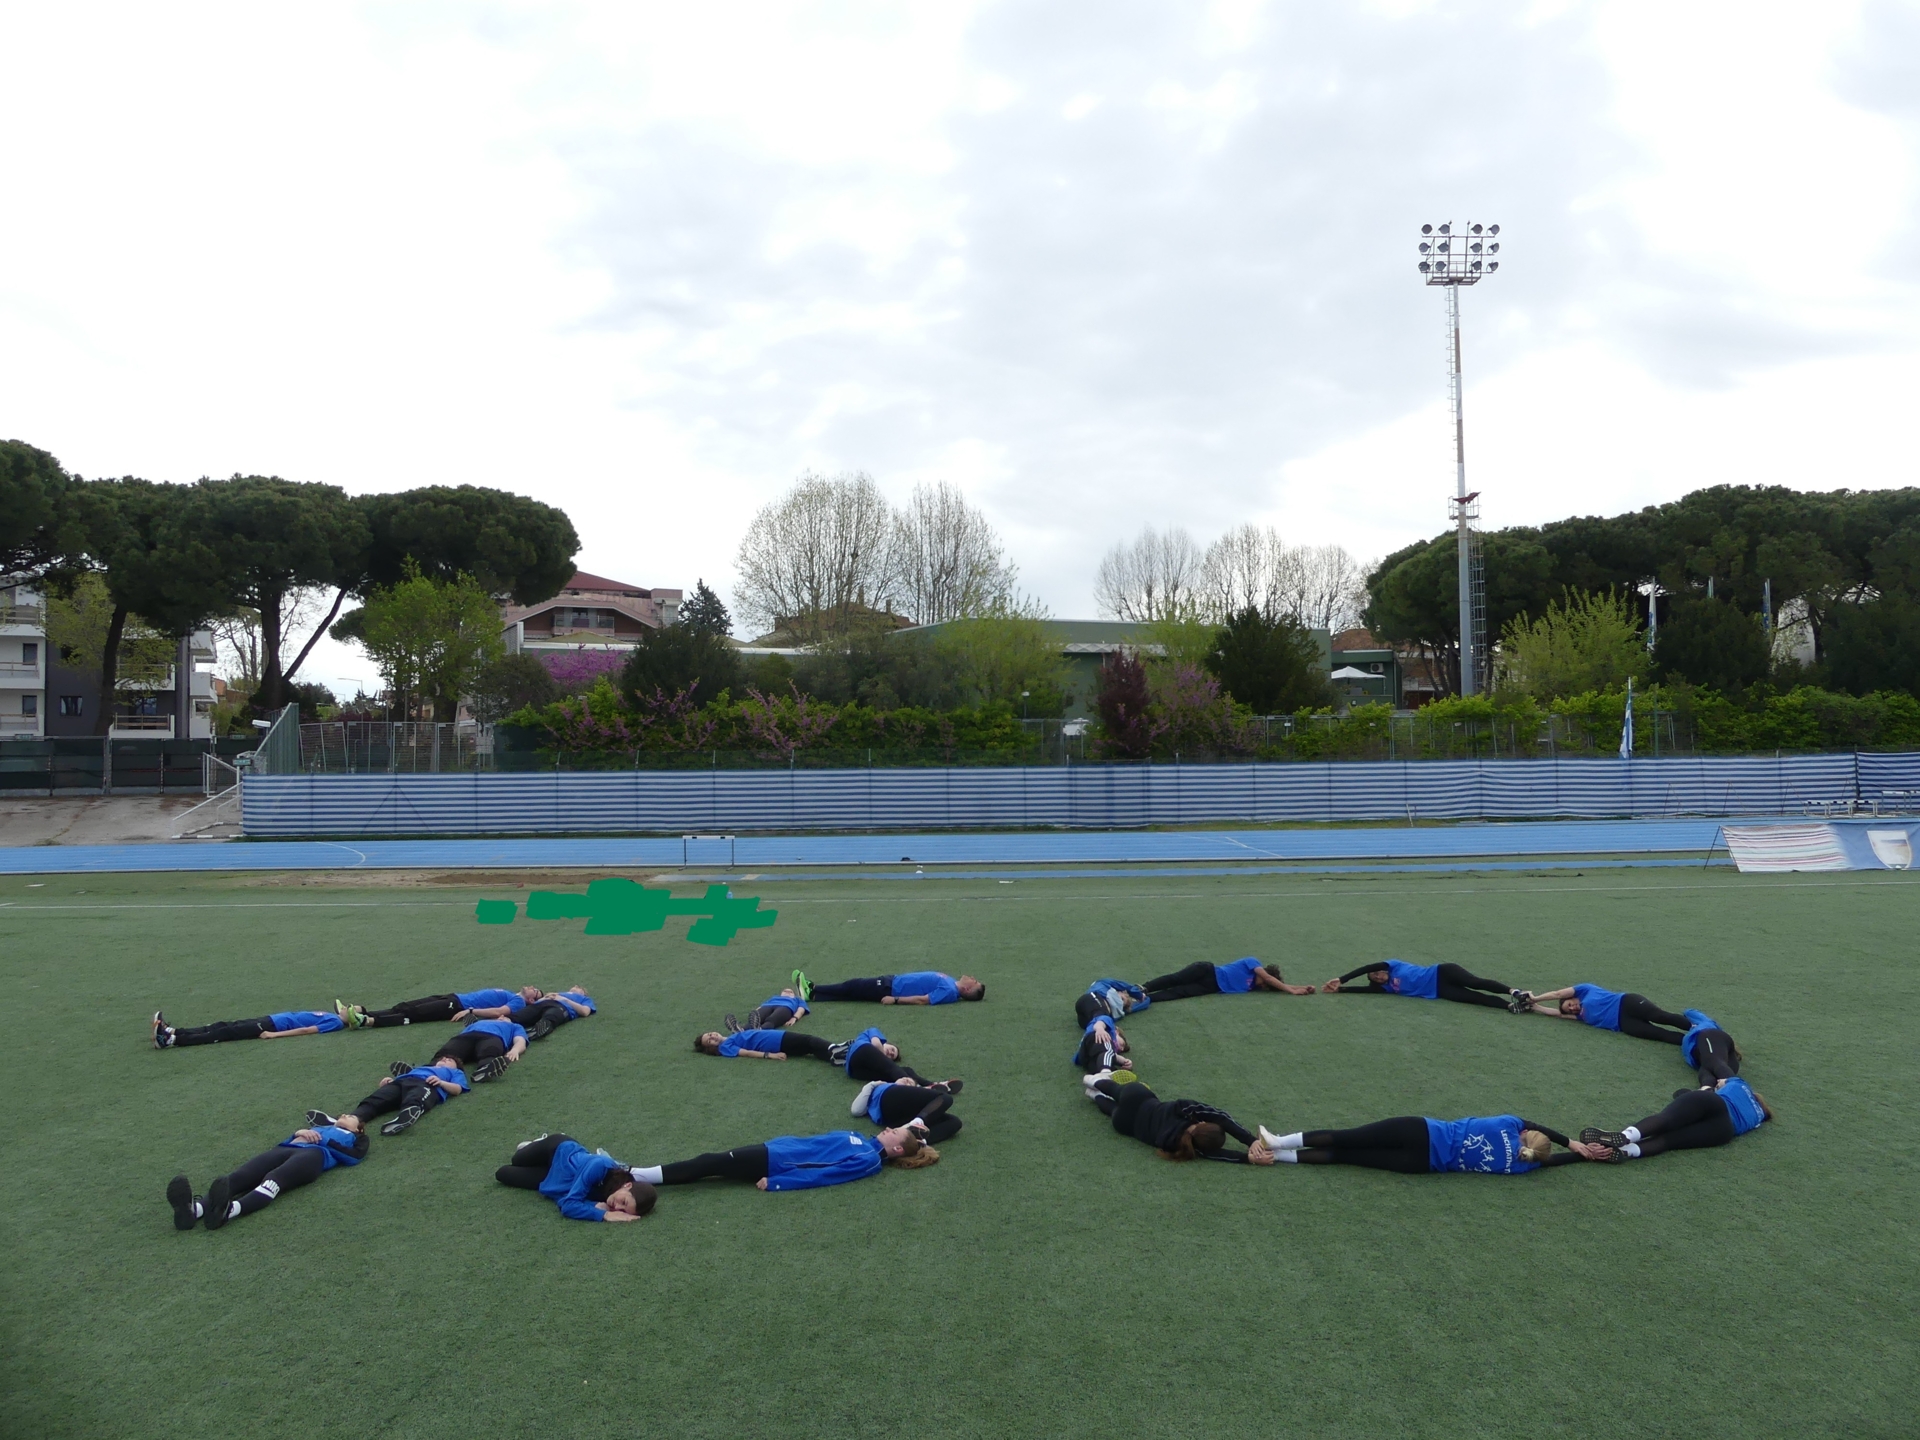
(1451, 261)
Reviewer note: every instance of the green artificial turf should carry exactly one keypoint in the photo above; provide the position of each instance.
(1048, 1277)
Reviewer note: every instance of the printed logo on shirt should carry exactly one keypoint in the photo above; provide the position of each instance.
(1476, 1153)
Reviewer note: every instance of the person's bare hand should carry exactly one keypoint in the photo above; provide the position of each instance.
(1329, 987)
(760, 1184)
(460, 1015)
(1589, 1152)
(312, 1137)
(776, 1055)
(1258, 1154)
(1123, 1062)
(619, 1216)
(886, 999)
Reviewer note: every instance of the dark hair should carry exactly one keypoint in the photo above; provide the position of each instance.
(700, 1049)
(612, 1183)
(439, 1060)
(1274, 971)
(1204, 1138)
(979, 994)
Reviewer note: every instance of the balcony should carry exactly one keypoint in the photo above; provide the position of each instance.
(19, 672)
(19, 727)
(30, 617)
(144, 677)
(142, 727)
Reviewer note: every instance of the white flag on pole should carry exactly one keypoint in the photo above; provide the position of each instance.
(1626, 731)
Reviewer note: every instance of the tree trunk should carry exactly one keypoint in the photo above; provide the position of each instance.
(313, 639)
(273, 687)
(110, 670)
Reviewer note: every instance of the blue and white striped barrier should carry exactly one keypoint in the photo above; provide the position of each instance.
(1079, 797)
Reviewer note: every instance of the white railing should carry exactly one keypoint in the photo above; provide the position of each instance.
(146, 727)
(19, 724)
(33, 616)
(20, 667)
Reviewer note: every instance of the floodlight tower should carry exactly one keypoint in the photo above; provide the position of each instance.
(1451, 261)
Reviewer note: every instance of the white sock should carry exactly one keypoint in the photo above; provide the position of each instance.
(648, 1174)
(1632, 1152)
(198, 1209)
(233, 1210)
(1296, 1141)
(1632, 1132)
(1289, 1156)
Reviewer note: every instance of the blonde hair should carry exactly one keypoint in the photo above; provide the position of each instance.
(914, 1155)
(1535, 1147)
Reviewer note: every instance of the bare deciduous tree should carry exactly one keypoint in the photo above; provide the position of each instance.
(1329, 588)
(820, 557)
(237, 640)
(948, 560)
(1319, 586)
(1157, 577)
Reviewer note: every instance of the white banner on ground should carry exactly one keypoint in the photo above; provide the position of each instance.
(1830, 845)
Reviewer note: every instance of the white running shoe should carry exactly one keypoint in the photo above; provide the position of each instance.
(860, 1101)
(1268, 1138)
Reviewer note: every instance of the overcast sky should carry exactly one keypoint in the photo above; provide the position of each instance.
(1103, 264)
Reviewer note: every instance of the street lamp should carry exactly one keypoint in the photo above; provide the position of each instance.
(1452, 259)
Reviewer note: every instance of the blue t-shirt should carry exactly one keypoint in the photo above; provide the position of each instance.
(1237, 978)
(1700, 1021)
(505, 1029)
(808, 1162)
(326, 1020)
(576, 1172)
(1743, 1106)
(335, 1147)
(1478, 1145)
(1419, 982)
(1114, 993)
(873, 1100)
(765, 1041)
(939, 989)
(1599, 1008)
(578, 999)
(491, 1000)
(452, 1074)
(853, 1046)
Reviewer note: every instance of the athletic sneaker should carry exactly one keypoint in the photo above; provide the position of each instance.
(398, 1068)
(162, 1032)
(837, 1052)
(733, 1025)
(219, 1201)
(1615, 1142)
(405, 1120)
(180, 1197)
(488, 1069)
(320, 1117)
(860, 1101)
(802, 984)
(952, 1087)
(1521, 1001)
(545, 1028)
(345, 1012)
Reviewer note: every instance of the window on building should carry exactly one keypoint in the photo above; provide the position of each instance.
(30, 653)
(29, 704)
(72, 704)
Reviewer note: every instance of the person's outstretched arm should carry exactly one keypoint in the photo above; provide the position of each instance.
(277, 1034)
(1339, 981)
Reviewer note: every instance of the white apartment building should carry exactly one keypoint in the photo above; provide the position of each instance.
(23, 663)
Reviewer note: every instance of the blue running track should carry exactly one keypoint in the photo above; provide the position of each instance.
(755, 852)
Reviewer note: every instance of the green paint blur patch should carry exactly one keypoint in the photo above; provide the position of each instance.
(617, 906)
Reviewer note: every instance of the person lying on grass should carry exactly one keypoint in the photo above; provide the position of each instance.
(1178, 1129)
(300, 1159)
(490, 1046)
(1429, 982)
(586, 1185)
(1203, 977)
(871, 1056)
(762, 1045)
(549, 1012)
(914, 987)
(281, 1025)
(1624, 1011)
(926, 1109)
(408, 1092)
(485, 1004)
(801, 1162)
(1695, 1120)
(1415, 1145)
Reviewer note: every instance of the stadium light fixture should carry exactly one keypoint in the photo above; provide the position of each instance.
(1451, 261)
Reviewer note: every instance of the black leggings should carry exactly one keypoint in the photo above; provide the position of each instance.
(1199, 978)
(223, 1030)
(901, 1103)
(397, 1095)
(468, 1047)
(870, 1062)
(531, 1162)
(272, 1173)
(792, 1042)
(1121, 1102)
(1641, 1018)
(748, 1162)
(1098, 1051)
(1463, 987)
(415, 1012)
(550, 1013)
(1696, 1120)
(1714, 1056)
(1399, 1145)
(768, 1017)
(1088, 1008)
(867, 990)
